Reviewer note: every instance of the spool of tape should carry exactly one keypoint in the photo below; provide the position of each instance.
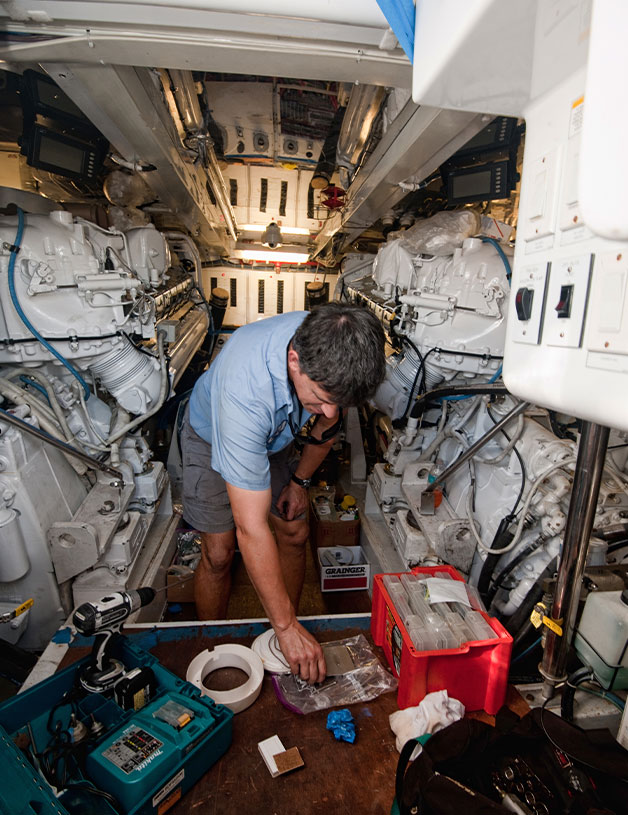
(267, 648)
(228, 656)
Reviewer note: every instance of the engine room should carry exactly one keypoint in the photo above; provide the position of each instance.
(170, 172)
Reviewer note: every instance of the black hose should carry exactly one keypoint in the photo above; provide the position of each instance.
(523, 554)
(569, 691)
(420, 369)
(455, 390)
(501, 539)
(518, 624)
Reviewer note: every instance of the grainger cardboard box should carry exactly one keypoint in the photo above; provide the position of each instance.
(353, 576)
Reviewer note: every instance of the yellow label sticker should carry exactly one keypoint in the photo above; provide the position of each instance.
(536, 618)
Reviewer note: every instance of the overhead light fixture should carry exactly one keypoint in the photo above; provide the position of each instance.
(271, 236)
(285, 230)
(273, 257)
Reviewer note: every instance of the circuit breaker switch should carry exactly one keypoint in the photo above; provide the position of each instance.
(563, 309)
(523, 303)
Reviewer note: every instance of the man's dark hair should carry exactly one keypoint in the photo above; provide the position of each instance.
(341, 348)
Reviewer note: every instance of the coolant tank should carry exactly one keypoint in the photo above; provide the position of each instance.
(602, 637)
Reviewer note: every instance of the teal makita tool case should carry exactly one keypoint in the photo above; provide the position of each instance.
(68, 751)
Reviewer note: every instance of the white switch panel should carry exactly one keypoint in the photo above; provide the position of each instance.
(570, 215)
(534, 278)
(540, 217)
(608, 329)
(567, 291)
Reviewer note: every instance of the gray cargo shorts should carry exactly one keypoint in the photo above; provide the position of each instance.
(206, 504)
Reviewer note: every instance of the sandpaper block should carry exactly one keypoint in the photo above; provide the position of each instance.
(277, 758)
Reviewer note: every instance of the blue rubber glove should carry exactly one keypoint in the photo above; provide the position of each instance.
(341, 724)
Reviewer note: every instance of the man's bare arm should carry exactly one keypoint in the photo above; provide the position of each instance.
(259, 551)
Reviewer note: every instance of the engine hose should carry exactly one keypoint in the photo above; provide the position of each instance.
(16, 305)
(569, 691)
(500, 252)
(453, 390)
(502, 538)
(523, 554)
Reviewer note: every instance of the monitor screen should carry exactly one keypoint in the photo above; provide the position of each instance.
(60, 154)
(471, 184)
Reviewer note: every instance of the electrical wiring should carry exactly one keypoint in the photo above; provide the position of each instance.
(419, 357)
(527, 550)
(509, 447)
(519, 459)
(526, 652)
(562, 748)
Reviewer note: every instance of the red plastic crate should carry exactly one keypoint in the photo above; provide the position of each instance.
(476, 673)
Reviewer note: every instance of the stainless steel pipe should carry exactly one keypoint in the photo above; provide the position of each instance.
(471, 451)
(584, 495)
(9, 418)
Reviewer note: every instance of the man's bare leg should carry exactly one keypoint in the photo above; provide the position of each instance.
(291, 539)
(212, 580)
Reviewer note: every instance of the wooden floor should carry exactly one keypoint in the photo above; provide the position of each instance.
(338, 777)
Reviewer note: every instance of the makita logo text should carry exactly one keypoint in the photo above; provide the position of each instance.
(344, 570)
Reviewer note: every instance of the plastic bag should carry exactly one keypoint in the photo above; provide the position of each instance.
(365, 682)
(441, 234)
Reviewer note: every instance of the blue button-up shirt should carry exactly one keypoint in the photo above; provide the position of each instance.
(244, 405)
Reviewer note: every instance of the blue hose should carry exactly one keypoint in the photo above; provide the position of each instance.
(35, 385)
(495, 376)
(500, 252)
(24, 318)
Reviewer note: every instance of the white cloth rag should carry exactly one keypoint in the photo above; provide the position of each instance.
(434, 713)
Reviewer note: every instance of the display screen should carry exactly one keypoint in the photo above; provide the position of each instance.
(60, 154)
(471, 184)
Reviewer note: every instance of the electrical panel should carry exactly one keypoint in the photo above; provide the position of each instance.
(567, 337)
(556, 66)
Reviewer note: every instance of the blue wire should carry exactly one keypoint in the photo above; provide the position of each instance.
(24, 318)
(35, 385)
(527, 650)
(495, 376)
(500, 252)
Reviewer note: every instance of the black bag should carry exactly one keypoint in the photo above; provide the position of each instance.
(541, 761)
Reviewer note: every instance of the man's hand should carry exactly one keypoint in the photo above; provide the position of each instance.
(292, 501)
(302, 652)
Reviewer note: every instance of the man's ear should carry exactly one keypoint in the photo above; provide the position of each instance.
(293, 361)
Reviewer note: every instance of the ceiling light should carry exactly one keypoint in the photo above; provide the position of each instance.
(286, 230)
(273, 257)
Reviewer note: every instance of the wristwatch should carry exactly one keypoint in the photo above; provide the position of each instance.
(302, 482)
